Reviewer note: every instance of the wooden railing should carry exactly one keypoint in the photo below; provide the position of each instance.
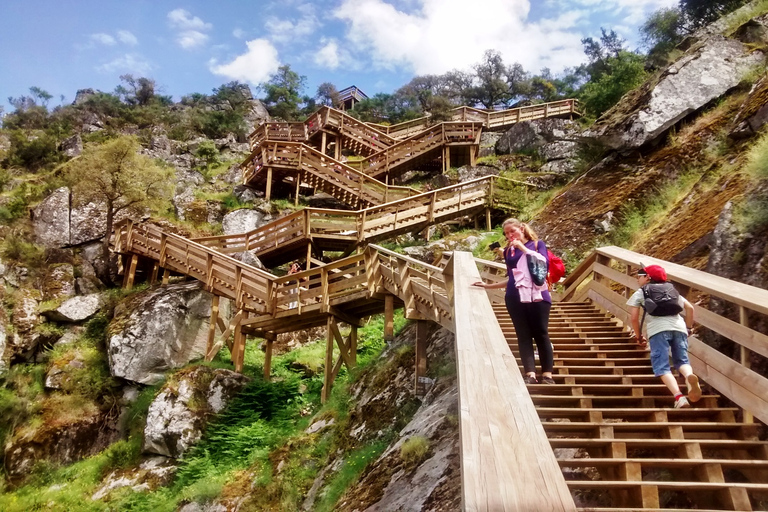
(605, 278)
(495, 411)
(370, 224)
(362, 134)
(352, 176)
(419, 145)
(330, 173)
(495, 119)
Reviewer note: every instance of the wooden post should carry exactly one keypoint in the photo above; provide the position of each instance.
(166, 276)
(298, 184)
(155, 270)
(337, 148)
(270, 338)
(322, 143)
(353, 343)
(745, 352)
(212, 323)
(488, 225)
(420, 387)
(131, 272)
(239, 345)
(328, 371)
(268, 190)
(389, 317)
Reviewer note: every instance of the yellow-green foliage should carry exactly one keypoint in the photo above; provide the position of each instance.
(757, 159)
(414, 449)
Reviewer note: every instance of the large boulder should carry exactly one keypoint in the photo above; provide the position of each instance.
(59, 282)
(706, 72)
(25, 319)
(177, 417)
(50, 219)
(62, 440)
(160, 329)
(76, 309)
(243, 220)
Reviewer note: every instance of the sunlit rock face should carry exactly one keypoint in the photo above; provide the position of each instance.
(178, 416)
(163, 328)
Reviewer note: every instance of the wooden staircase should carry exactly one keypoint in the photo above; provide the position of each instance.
(617, 438)
(296, 154)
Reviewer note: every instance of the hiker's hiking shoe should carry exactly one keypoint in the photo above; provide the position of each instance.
(547, 380)
(682, 403)
(694, 390)
(530, 380)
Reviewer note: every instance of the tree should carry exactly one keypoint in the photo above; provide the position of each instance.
(327, 94)
(137, 91)
(283, 93)
(661, 32)
(600, 51)
(116, 175)
(626, 71)
(40, 94)
(491, 88)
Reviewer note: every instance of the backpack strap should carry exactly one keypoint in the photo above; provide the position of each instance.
(645, 296)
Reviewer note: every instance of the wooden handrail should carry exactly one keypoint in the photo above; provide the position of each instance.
(597, 278)
(494, 119)
(371, 223)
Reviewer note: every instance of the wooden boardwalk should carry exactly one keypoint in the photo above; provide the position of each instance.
(604, 437)
(296, 155)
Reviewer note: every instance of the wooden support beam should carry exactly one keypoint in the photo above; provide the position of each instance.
(269, 338)
(745, 361)
(238, 353)
(488, 225)
(389, 317)
(212, 324)
(420, 382)
(166, 276)
(296, 193)
(268, 189)
(130, 273)
(328, 371)
(155, 270)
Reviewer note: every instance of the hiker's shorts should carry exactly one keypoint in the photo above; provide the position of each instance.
(661, 344)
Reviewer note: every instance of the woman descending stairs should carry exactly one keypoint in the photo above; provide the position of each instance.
(617, 437)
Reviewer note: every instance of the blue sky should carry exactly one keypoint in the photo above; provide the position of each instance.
(378, 45)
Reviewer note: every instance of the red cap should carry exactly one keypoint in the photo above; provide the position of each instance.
(656, 273)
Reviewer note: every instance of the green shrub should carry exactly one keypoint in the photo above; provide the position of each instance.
(414, 449)
(32, 152)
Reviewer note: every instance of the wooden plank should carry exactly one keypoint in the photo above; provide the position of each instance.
(499, 429)
(745, 387)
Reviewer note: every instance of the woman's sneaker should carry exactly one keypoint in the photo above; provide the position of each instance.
(694, 390)
(547, 380)
(682, 403)
(530, 380)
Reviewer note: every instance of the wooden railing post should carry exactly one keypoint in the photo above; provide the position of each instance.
(269, 338)
(420, 378)
(744, 357)
(389, 316)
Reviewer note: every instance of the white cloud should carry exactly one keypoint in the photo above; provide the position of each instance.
(440, 35)
(238, 33)
(181, 19)
(283, 30)
(191, 39)
(126, 37)
(104, 39)
(129, 62)
(328, 56)
(190, 29)
(254, 66)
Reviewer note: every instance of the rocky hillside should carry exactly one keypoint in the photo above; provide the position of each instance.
(104, 402)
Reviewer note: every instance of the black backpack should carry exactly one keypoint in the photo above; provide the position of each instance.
(661, 299)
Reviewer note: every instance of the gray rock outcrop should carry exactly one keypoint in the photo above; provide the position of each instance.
(51, 219)
(59, 282)
(77, 309)
(25, 319)
(177, 417)
(159, 329)
(705, 73)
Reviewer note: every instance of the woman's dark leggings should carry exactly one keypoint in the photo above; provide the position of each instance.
(530, 320)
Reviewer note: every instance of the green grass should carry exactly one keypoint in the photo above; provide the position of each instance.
(640, 218)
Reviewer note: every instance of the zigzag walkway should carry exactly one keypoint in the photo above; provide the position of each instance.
(616, 435)
(313, 230)
(281, 152)
(607, 422)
